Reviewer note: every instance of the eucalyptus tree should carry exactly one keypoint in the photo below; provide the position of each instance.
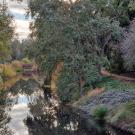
(121, 10)
(72, 33)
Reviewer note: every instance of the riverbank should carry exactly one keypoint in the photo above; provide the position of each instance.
(111, 94)
(116, 94)
(115, 102)
(16, 70)
(84, 111)
(36, 113)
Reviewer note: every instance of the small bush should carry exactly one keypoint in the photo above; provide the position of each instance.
(9, 71)
(124, 21)
(26, 61)
(19, 70)
(100, 112)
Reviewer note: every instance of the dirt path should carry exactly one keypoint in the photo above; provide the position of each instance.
(116, 77)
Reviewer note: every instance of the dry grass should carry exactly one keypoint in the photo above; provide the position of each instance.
(8, 71)
(11, 81)
(17, 65)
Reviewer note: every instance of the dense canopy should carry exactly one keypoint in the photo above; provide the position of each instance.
(6, 32)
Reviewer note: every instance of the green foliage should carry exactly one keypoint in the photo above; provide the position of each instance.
(130, 106)
(111, 84)
(116, 59)
(26, 61)
(125, 113)
(124, 21)
(120, 115)
(22, 49)
(6, 32)
(73, 34)
(68, 89)
(19, 70)
(131, 5)
(28, 48)
(119, 10)
(100, 112)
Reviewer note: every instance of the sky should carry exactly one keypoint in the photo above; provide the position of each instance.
(18, 10)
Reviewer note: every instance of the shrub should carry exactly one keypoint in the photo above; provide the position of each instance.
(67, 88)
(8, 71)
(19, 70)
(100, 112)
(124, 21)
(26, 60)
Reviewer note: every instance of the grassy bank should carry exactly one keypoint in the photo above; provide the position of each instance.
(111, 84)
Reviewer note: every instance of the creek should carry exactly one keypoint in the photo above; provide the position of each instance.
(26, 109)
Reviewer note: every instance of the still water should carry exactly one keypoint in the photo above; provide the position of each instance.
(27, 110)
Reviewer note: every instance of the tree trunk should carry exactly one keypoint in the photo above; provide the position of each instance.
(80, 86)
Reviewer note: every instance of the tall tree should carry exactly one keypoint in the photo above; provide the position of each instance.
(6, 32)
(74, 34)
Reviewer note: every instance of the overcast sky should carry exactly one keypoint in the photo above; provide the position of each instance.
(18, 10)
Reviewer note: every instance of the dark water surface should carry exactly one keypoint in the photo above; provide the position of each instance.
(27, 110)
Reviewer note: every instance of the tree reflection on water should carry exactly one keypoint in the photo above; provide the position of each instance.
(27, 110)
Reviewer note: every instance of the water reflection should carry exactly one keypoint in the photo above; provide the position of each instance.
(28, 111)
(17, 114)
